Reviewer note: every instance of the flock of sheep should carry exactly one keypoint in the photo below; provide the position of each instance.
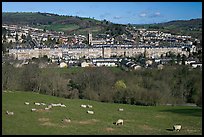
(67, 120)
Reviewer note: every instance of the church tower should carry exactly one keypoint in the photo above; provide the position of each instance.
(90, 39)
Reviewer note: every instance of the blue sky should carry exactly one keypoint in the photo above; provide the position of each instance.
(117, 12)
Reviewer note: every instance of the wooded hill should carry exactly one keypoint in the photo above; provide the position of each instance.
(68, 24)
(79, 25)
(191, 27)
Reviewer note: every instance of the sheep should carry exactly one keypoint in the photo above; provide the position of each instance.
(59, 104)
(43, 104)
(26, 103)
(120, 121)
(54, 105)
(83, 106)
(9, 113)
(90, 112)
(37, 104)
(177, 127)
(120, 109)
(63, 105)
(47, 108)
(89, 106)
(33, 109)
(67, 120)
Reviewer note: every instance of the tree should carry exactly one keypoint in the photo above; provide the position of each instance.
(16, 38)
(28, 38)
(4, 38)
(120, 84)
(183, 59)
(23, 37)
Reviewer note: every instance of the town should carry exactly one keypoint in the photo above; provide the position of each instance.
(145, 48)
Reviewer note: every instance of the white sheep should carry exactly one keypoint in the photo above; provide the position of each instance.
(47, 108)
(59, 104)
(89, 106)
(83, 106)
(9, 113)
(63, 105)
(26, 103)
(43, 104)
(37, 104)
(54, 105)
(120, 109)
(120, 121)
(67, 120)
(90, 112)
(33, 109)
(177, 127)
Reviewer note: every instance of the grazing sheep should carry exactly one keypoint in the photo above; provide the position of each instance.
(89, 106)
(37, 104)
(120, 121)
(83, 106)
(63, 105)
(43, 104)
(59, 104)
(90, 112)
(120, 109)
(33, 109)
(177, 127)
(47, 108)
(26, 103)
(9, 113)
(67, 120)
(56, 105)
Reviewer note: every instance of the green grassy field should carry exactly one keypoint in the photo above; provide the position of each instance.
(60, 27)
(139, 120)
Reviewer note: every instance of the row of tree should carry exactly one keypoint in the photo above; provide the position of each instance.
(174, 85)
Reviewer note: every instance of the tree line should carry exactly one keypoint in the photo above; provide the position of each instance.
(172, 85)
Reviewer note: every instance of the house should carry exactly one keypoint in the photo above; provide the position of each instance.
(196, 64)
(63, 65)
(86, 64)
(190, 61)
(109, 62)
(160, 66)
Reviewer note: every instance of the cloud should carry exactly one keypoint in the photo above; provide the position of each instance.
(142, 14)
(155, 14)
(150, 14)
(117, 17)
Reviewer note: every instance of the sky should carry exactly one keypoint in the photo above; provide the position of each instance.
(116, 12)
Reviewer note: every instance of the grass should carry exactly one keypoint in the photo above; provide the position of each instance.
(60, 27)
(138, 120)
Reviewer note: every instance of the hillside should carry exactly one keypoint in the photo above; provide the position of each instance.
(48, 21)
(191, 27)
(137, 119)
(79, 25)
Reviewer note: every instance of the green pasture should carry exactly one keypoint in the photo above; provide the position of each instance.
(60, 27)
(138, 120)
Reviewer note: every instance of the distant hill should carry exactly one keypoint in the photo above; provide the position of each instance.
(191, 27)
(79, 25)
(68, 24)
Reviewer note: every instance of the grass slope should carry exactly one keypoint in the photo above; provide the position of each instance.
(137, 119)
